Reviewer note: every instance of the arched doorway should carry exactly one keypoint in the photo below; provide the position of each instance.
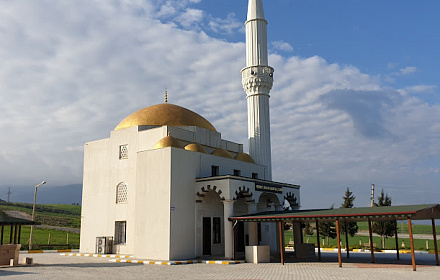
(242, 205)
(267, 231)
(212, 220)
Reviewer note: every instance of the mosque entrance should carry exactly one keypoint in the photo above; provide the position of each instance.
(241, 238)
(206, 235)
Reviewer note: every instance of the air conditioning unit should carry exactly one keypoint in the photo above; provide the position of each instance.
(104, 245)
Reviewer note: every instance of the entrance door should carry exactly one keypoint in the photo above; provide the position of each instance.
(241, 241)
(206, 235)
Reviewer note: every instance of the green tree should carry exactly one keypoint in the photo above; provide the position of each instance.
(347, 227)
(350, 228)
(309, 230)
(384, 228)
(327, 229)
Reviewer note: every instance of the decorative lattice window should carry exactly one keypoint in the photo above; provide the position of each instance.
(123, 152)
(121, 193)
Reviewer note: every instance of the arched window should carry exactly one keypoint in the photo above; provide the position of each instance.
(121, 193)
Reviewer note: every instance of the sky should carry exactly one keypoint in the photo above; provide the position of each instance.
(355, 99)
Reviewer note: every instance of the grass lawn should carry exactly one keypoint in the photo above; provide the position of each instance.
(41, 237)
(358, 241)
(49, 214)
(403, 228)
(60, 215)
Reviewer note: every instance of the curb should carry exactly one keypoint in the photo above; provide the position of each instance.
(177, 262)
(47, 251)
(96, 256)
(154, 262)
(124, 259)
(221, 262)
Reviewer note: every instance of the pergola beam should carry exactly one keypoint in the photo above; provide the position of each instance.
(281, 237)
(411, 240)
(397, 239)
(435, 242)
(11, 234)
(339, 243)
(347, 246)
(19, 235)
(370, 233)
(15, 234)
(318, 240)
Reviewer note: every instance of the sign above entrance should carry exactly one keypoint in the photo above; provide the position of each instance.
(268, 188)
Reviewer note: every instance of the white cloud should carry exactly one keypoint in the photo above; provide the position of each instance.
(408, 70)
(421, 89)
(190, 18)
(391, 65)
(282, 46)
(225, 26)
(71, 71)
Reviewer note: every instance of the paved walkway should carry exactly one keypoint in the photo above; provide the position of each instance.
(53, 266)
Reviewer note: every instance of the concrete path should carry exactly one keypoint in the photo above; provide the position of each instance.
(53, 266)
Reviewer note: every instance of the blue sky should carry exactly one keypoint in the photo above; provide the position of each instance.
(355, 98)
(377, 37)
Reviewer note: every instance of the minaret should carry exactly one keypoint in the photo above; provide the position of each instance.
(257, 79)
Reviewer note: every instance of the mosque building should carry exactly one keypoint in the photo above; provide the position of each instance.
(165, 182)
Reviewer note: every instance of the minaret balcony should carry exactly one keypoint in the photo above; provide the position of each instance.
(257, 79)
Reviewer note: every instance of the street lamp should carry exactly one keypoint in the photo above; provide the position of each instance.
(31, 237)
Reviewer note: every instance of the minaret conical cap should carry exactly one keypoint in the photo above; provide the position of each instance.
(255, 10)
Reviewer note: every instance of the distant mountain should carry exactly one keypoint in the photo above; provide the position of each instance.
(70, 194)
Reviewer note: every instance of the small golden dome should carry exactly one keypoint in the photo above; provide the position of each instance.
(165, 114)
(221, 153)
(195, 147)
(244, 157)
(168, 142)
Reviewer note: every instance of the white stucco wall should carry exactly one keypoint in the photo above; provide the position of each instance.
(95, 196)
(152, 214)
(185, 166)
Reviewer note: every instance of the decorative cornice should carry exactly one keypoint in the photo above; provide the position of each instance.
(257, 79)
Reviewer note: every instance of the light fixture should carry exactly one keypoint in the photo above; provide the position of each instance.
(31, 237)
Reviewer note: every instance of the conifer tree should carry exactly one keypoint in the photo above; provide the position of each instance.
(327, 229)
(384, 228)
(350, 228)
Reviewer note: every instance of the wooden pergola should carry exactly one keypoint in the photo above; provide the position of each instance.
(341, 215)
(14, 225)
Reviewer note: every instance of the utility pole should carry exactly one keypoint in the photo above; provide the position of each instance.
(372, 195)
(9, 194)
(31, 236)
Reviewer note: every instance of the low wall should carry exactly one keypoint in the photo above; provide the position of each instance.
(8, 252)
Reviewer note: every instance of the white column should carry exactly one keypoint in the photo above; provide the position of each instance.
(198, 242)
(257, 80)
(259, 131)
(253, 226)
(228, 211)
(297, 236)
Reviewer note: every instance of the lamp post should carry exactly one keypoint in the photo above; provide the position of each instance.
(31, 237)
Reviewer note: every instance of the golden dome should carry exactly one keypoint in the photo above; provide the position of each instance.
(221, 153)
(195, 147)
(167, 142)
(244, 157)
(165, 114)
